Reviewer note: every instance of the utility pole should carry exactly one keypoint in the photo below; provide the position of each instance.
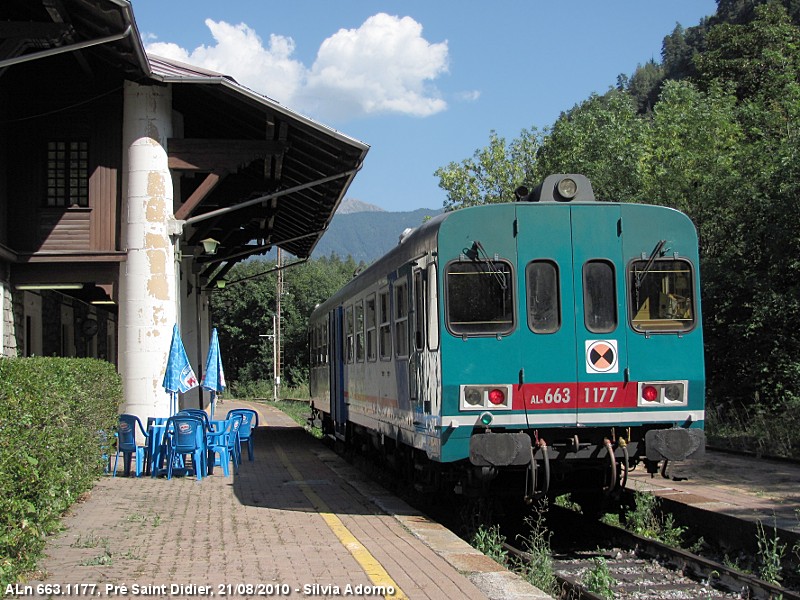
(274, 338)
(276, 329)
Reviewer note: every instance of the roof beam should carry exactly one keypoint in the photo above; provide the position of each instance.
(63, 49)
(204, 189)
(210, 154)
(297, 188)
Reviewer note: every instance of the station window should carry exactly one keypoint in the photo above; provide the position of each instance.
(67, 173)
(401, 317)
(371, 331)
(385, 332)
(359, 317)
(662, 297)
(480, 297)
(599, 296)
(544, 306)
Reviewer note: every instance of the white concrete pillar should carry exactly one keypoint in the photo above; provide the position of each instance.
(148, 291)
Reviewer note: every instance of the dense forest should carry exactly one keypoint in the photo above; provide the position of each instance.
(711, 130)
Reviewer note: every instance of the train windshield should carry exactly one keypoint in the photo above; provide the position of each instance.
(662, 297)
(480, 297)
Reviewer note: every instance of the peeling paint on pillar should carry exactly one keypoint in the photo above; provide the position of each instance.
(148, 296)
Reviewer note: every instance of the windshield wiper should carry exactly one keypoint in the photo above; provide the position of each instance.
(640, 275)
(649, 264)
(478, 252)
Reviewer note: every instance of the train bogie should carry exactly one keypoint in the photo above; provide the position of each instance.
(554, 342)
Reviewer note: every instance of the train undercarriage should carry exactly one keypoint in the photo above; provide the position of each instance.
(590, 463)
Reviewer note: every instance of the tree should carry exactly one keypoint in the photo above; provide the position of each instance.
(645, 85)
(752, 282)
(493, 172)
(760, 57)
(692, 156)
(243, 311)
(601, 138)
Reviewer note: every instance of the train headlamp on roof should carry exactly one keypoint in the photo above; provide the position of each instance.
(559, 188)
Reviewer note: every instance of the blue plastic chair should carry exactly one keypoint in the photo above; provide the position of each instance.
(197, 412)
(157, 445)
(226, 443)
(249, 422)
(127, 446)
(186, 436)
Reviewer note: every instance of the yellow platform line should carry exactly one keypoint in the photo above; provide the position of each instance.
(369, 563)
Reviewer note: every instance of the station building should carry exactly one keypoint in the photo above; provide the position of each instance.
(130, 185)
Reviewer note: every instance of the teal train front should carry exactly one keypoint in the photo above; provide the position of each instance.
(542, 346)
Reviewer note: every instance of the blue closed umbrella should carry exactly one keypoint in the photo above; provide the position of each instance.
(179, 376)
(214, 376)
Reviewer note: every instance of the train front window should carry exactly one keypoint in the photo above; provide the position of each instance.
(662, 297)
(480, 297)
(599, 296)
(544, 310)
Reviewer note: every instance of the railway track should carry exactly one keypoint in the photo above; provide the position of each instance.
(640, 567)
(637, 567)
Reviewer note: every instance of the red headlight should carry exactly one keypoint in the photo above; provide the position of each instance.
(650, 393)
(496, 396)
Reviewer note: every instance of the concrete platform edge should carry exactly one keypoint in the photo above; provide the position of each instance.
(493, 579)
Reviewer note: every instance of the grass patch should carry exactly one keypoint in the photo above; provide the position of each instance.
(599, 580)
(538, 570)
(755, 430)
(490, 541)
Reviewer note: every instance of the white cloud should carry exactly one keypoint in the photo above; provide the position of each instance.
(384, 66)
(469, 96)
(240, 52)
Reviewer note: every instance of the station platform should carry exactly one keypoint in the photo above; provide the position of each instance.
(740, 498)
(743, 487)
(298, 522)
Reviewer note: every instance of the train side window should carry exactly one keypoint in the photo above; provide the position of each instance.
(661, 296)
(544, 303)
(401, 318)
(359, 317)
(371, 332)
(348, 333)
(315, 347)
(321, 345)
(385, 332)
(599, 296)
(325, 339)
(480, 297)
(433, 308)
(419, 311)
(312, 347)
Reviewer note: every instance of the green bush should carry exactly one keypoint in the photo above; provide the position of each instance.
(54, 416)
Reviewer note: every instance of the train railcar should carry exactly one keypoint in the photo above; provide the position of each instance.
(541, 346)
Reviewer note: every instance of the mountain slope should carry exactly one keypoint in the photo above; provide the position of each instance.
(368, 234)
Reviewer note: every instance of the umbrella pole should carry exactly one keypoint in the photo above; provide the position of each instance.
(213, 402)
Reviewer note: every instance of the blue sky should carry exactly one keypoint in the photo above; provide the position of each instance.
(423, 82)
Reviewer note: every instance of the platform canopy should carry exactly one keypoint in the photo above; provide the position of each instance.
(252, 173)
